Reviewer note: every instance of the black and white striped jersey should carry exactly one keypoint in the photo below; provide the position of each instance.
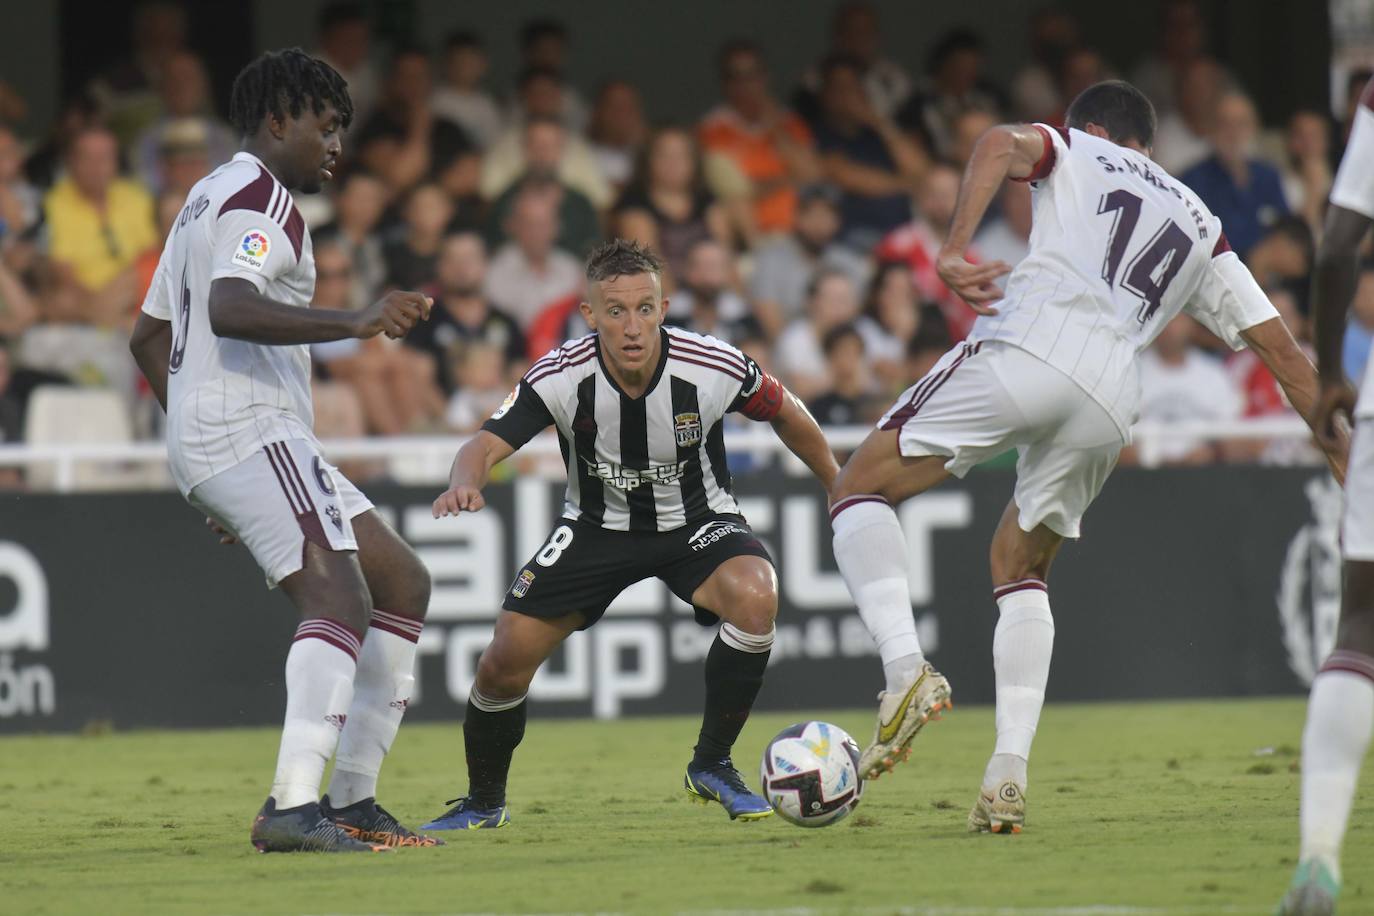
(652, 463)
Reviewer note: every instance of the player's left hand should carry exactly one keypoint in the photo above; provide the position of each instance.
(974, 283)
(225, 535)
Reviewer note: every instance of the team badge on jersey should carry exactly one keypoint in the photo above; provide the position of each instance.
(252, 251)
(507, 404)
(687, 427)
(522, 584)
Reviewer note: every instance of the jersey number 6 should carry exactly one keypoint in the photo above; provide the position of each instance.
(1154, 267)
(179, 329)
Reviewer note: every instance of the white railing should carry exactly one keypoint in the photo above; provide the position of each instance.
(426, 459)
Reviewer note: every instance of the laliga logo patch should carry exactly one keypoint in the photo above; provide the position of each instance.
(507, 404)
(687, 428)
(252, 251)
(522, 584)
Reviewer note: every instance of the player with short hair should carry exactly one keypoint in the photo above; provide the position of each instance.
(223, 338)
(1118, 248)
(638, 409)
(1340, 710)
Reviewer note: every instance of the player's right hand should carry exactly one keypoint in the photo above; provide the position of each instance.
(1333, 416)
(225, 535)
(972, 282)
(393, 315)
(458, 499)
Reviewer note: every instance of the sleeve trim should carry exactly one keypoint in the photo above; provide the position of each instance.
(1045, 165)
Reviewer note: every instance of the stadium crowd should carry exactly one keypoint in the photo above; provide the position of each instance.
(799, 218)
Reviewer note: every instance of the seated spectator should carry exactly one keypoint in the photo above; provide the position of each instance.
(666, 205)
(542, 159)
(344, 35)
(411, 255)
(1080, 68)
(854, 33)
(1006, 236)
(460, 178)
(1182, 39)
(183, 156)
(541, 94)
(479, 384)
(966, 129)
(358, 213)
(1240, 190)
(768, 145)
(403, 139)
(800, 360)
(20, 202)
(1306, 171)
(849, 399)
(1179, 384)
(461, 97)
(1181, 140)
(1052, 33)
(893, 318)
(784, 265)
(529, 272)
(954, 82)
(98, 224)
(394, 385)
(1359, 327)
(125, 90)
(705, 302)
(544, 46)
(187, 120)
(618, 131)
(461, 313)
(1283, 255)
(1262, 396)
(45, 164)
(865, 155)
(917, 245)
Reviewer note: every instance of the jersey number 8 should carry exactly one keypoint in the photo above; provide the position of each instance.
(559, 541)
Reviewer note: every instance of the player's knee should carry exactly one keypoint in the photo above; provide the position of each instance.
(499, 677)
(415, 588)
(753, 601)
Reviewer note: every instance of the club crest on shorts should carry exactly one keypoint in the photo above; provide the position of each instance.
(687, 428)
(335, 515)
(522, 583)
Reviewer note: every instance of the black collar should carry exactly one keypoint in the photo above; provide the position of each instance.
(658, 370)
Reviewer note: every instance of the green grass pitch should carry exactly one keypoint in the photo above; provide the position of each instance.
(1160, 808)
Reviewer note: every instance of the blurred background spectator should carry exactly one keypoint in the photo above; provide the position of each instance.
(530, 271)
(846, 401)
(461, 96)
(1179, 384)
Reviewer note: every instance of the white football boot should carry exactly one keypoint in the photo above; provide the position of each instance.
(999, 810)
(900, 716)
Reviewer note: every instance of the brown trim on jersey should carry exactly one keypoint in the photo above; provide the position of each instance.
(295, 230)
(255, 195)
(1045, 165)
(1367, 96)
(1222, 246)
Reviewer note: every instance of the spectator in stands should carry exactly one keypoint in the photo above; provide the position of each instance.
(44, 164)
(394, 385)
(954, 82)
(618, 131)
(784, 265)
(479, 385)
(98, 224)
(543, 159)
(1053, 33)
(345, 43)
(1241, 190)
(460, 178)
(768, 145)
(1306, 171)
(968, 126)
(705, 301)
(893, 317)
(529, 272)
(461, 97)
(666, 204)
(1283, 256)
(917, 245)
(126, 94)
(509, 158)
(20, 202)
(831, 302)
(410, 257)
(848, 399)
(1078, 69)
(875, 165)
(544, 46)
(462, 314)
(1181, 141)
(854, 33)
(183, 156)
(358, 213)
(1262, 396)
(1359, 328)
(1182, 40)
(403, 139)
(184, 91)
(1180, 384)
(1006, 236)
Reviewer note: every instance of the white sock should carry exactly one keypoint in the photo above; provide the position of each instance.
(381, 691)
(1021, 649)
(870, 550)
(319, 687)
(1340, 716)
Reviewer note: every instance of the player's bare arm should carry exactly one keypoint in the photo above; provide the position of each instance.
(1006, 151)
(239, 311)
(801, 434)
(471, 468)
(1334, 279)
(151, 345)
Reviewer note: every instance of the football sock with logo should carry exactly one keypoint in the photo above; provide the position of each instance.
(734, 674)
(381, 691)
(870, 550)
(492, 730)
(1340, 715)
(1021, 648)
(319, 687)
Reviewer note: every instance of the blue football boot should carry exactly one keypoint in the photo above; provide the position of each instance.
(719, 781)
(464, 815)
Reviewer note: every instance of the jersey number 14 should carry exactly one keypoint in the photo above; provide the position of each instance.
(1155, 265)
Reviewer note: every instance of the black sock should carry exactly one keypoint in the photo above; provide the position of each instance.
(733, 679)
(490, 738)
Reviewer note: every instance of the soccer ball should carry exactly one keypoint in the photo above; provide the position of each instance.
(810, 774)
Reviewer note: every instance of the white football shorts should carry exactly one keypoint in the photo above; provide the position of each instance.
(983, 398)
(1357, 523)
(278, 499)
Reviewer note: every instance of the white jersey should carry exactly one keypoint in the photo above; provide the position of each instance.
(1118, 247)
(1353, 189)
(226, 398)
